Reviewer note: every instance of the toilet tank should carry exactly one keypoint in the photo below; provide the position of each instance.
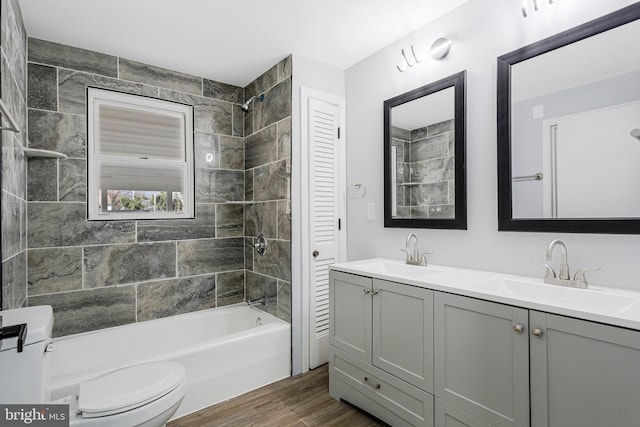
(24, 376)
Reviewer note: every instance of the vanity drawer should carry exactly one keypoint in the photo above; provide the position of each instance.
(412, 405)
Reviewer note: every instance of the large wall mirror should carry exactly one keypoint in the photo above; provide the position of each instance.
(569, 130)
(424, 156)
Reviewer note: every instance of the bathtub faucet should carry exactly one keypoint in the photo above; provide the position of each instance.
(257, 301)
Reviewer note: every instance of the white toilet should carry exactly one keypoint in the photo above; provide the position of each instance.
(147, 394)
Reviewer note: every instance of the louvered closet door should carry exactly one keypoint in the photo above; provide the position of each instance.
(323, 213)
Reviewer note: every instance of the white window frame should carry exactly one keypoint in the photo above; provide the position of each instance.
(97, 97)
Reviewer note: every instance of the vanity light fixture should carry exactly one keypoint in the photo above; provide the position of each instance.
(439, 50)
(536, 6)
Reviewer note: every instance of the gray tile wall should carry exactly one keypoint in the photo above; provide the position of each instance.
(425, 158)
(13, 48)
(106, 273)
(268, 184)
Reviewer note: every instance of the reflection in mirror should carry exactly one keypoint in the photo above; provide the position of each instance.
(424, 157)
(567, 155)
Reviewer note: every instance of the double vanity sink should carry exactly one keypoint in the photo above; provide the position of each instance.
(438, 346)
(613, 306)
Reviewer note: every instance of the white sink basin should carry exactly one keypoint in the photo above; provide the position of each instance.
(592, 300)
(398, 269)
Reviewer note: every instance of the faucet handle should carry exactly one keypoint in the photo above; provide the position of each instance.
(423, 258)
(549, 272)
(408, 254)
(580, 274)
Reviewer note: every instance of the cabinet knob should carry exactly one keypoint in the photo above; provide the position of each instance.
(315, 254)
(375, 292)
(374, 385)
(537, 332)
(518, 329)
(366, 291)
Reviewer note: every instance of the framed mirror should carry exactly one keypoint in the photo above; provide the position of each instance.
(569, 130)
(424, 156)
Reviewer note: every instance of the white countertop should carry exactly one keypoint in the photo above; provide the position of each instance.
(619, 307)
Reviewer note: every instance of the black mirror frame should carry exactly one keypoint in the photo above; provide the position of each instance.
(458, 82)
(506, 222)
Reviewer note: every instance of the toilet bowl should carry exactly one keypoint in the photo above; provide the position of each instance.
(146, 394)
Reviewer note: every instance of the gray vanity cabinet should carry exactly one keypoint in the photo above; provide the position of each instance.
(482, 358)
(381, 354)
(583, 373)
(448, 415)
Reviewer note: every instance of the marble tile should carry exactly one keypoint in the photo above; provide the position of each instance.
(284, 220)
(248, 185)
(276, 105)
(42, 180)
(65, 224)
(436, 193)
(43, 87)
(403, 212)
(441, 127)
(258, 286)
(419, 134)
(65, 133)
(14, 166)
(249, 253)
(121, 264)
(14, 281)
(10, 214)
(210, 115)
(161, 77)
(72, 88)
(11, 95)
(284, 68)
(232, 152)
(49, 53)
(219, 186)
(206, 150)
(203, 226)
(230, 287)
(54, 270)
(284, 139)
(442, 212)
(248, 119)
(222, 91)
(276, 262)
(265, 81)
(271, 182)
(14, 42)
(419, 211)
(229, 220)
(284, 300)
(73, 180)
(440, 169)
(176, 296)
(400, 133)
(210, 256)
(237, 121)
(261, 218)
(430, 148)
(90, 310)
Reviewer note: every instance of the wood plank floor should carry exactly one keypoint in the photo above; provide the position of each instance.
(299, 401)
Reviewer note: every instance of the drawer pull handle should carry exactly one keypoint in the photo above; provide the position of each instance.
(376, 386)
(518, 329)
(537, 333)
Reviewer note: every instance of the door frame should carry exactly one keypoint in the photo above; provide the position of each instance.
(305, 255)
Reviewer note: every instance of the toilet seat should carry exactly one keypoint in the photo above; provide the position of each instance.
(128, 388)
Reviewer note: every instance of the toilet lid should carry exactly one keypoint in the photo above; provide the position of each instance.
(128, 388)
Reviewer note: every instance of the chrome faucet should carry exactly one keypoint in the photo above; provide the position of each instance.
(564, 278)
(413, 255)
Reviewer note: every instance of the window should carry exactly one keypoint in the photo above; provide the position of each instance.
(140, 160)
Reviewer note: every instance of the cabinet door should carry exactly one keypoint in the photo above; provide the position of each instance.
(448, 415)
(350, 314)
(583, 373)
(403, 332)
(482, 358)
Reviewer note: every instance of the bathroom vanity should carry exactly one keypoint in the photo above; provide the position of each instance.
(445, 346)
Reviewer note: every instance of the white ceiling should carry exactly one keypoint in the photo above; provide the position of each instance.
(231, 41)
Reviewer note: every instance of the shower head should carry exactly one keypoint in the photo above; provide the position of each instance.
(245, 107)
(636, 133)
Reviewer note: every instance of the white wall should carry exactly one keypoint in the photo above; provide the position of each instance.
(481, 30)
(309, 74)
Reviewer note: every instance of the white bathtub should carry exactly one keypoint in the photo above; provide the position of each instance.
(223, 350)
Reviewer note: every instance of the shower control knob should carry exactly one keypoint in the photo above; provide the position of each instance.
(315, 254)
